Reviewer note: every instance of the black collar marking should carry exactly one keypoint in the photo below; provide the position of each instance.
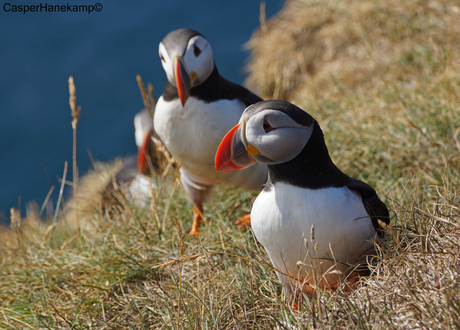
(213, 89)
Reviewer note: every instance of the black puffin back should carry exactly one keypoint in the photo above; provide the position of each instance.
(313, 169)
(376, 209)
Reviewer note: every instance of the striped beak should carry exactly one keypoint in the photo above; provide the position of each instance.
(143, 154)
(232, 154)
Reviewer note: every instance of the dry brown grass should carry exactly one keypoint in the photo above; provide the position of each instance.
(328, 48)
(384, 85)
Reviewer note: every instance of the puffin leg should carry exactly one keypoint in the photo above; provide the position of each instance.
(297, 300)
(352, 281)
(243, 222)
(347, 285)
(197, 212)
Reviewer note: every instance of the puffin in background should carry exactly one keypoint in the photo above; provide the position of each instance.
(135, 175)
(313, 220)
(147, 157)
(196, 110)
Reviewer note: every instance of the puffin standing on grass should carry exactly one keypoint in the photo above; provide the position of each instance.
(314, 221)
(196, 110)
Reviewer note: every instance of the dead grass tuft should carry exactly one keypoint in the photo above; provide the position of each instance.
(334, 47)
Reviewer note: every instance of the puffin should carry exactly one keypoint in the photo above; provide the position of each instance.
(134, 176)
(314, 221)
(147, 157)
(196, 110)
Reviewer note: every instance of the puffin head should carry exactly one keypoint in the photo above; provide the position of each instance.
(187, 59)
(270, 132)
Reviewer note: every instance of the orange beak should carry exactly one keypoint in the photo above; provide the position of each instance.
(182, 78)
(231, 154)
(142, 161)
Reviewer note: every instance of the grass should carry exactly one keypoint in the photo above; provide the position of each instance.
(394, 124)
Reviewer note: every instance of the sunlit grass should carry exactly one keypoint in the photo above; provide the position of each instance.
(394, 125)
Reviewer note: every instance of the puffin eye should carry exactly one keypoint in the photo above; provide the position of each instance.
(196, 50)
(267, 126)
(162, 58)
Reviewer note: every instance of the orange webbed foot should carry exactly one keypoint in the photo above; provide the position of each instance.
(194, 233)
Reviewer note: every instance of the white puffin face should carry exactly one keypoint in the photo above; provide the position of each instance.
(167, 63)
(198, 60)
(272, 137)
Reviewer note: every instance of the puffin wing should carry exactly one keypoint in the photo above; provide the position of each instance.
(376, 209)
(234, 91)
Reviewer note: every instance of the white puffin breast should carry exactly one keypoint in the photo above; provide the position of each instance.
(193, 133)
(282, 218)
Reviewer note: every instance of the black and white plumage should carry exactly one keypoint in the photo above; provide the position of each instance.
(304, 190)
(196, 110)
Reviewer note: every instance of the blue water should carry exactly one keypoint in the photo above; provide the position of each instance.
(103, 51)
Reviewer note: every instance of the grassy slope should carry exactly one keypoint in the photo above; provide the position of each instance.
(383, 80)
